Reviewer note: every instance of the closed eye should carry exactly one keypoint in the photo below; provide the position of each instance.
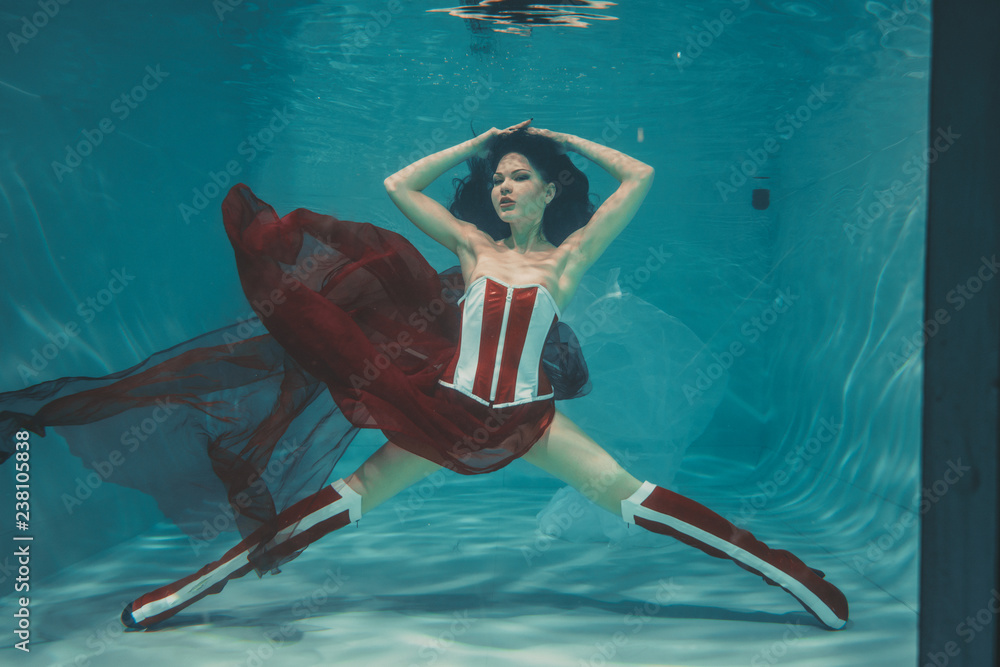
(522, 177)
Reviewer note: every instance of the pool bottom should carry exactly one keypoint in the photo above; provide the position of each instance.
(468, 580)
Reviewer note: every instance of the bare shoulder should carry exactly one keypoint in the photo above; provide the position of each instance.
(548, 266)
(473, 246)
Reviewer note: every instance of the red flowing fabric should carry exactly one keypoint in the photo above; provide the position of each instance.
(246, 423)
(361, 309)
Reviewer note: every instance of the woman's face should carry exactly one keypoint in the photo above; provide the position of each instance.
(519, 194)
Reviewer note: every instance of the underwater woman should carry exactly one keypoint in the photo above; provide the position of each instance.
(468, 384)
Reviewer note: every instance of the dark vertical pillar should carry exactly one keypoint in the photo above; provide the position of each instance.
(959, 591)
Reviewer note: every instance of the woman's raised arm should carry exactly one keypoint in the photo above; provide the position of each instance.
(405, 188)
(608, 221)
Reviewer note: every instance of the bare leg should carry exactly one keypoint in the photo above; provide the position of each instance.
(387, 472)
(569, 454)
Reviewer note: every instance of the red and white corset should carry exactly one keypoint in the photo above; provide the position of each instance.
(499, 356)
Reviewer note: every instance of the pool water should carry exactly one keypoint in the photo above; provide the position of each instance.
(767, 361)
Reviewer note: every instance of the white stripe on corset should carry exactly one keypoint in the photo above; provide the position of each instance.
(501, 344)
(526, 387)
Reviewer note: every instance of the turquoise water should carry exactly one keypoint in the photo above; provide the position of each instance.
(809, 434)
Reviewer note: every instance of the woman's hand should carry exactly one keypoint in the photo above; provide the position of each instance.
(560, 138)
(489, 137)
(510, 130)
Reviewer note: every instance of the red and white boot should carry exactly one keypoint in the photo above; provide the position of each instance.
(335, 506)
(661, 511)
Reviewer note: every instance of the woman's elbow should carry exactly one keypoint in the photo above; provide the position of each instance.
(640, 180)
(641, 175)
(399, 183)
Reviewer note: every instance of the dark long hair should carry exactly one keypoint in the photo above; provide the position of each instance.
(568, 211)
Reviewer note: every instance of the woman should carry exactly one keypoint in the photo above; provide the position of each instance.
(376, 328)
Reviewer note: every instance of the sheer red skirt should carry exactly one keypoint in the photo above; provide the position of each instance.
(359, 328)
(359, 308)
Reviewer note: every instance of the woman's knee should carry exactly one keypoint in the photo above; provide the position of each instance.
(569, 454)
(387, 472)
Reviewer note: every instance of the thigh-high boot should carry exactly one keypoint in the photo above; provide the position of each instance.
(335, 506)
(661, 511)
